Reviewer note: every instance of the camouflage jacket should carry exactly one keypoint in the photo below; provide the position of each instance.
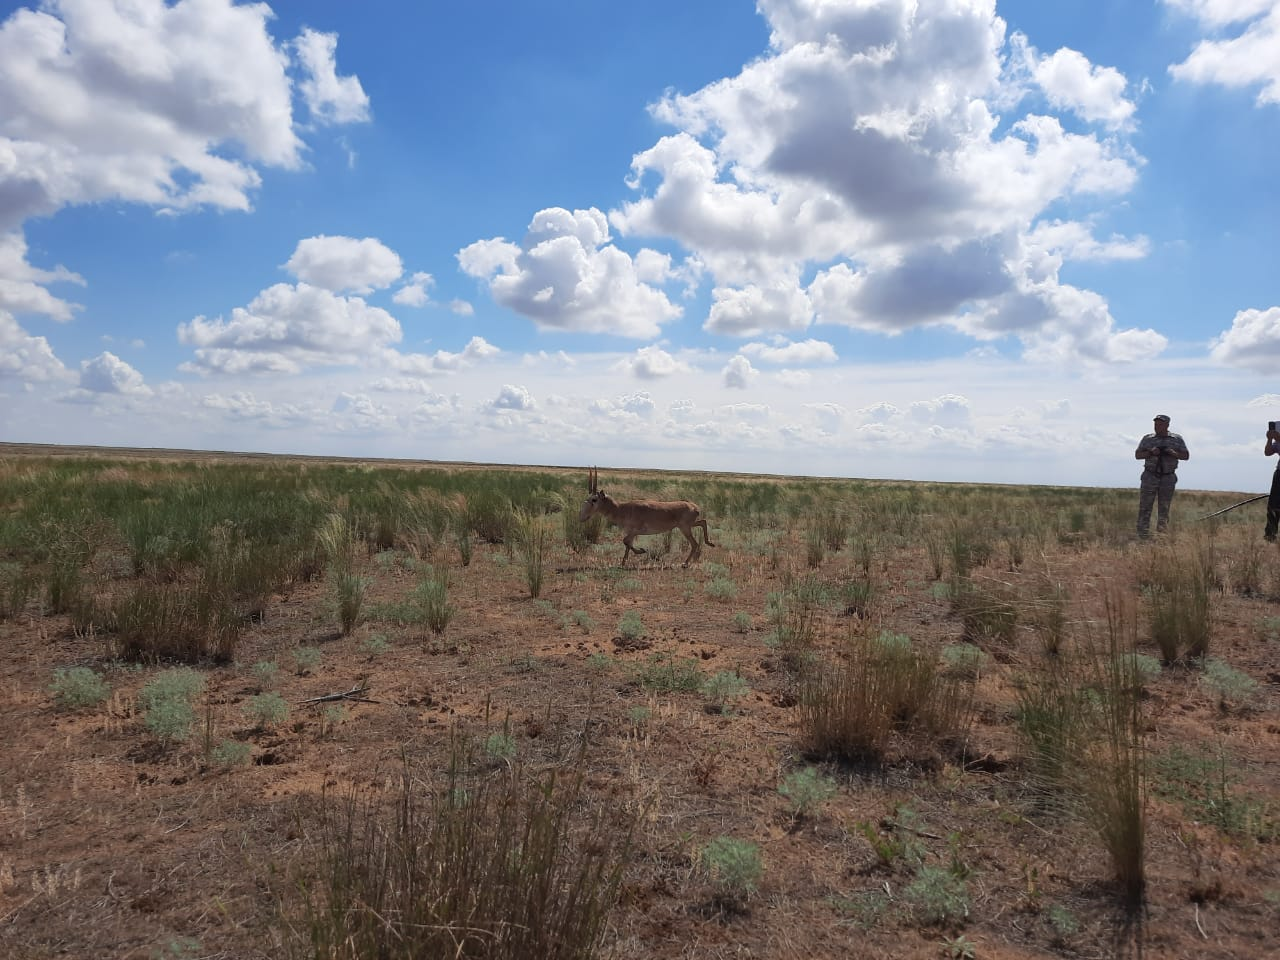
(1160, 452)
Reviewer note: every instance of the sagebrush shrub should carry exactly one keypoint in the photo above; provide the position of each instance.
(734, 867)
(77, 687)
(807, 790)
(168, 703)
(266, 709)
(1232, 688)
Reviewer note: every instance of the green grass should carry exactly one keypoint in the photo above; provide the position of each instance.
(168, 703)
(735, 868)
(75, 688)
(664, 673)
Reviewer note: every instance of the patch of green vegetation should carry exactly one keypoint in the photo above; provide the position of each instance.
(1205, 785)
(735, 868)
(266, 710)
(168, 703)
(231, 753)
(78, 687)
(306, 659)
(723, 688)
(631, 626)
(807, 790)
(664, 673)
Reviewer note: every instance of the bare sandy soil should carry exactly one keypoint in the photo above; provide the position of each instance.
(112, 845)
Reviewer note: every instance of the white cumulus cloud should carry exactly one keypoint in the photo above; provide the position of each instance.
(1071, 82)
(878, 147)
(652, 363)
(107, 373)
(567, 275)
(1252, 341)
(512, 397)
(287, 328)
(329, 97)
(1249, 58)
(26, 358)
(415, 293)
(345, 264)
(783, 351)
(23, 287)
(738, 373)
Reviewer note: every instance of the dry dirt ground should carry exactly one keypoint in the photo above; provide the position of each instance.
(113, 846)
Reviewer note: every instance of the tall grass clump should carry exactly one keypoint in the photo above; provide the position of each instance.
(793, 615)
(504, 866)
(1178, 587)
(532, 537)
(986, 615)
(16, 585)
(967, 547)
(431, 600)
(488, 513)
(1053, 721)
(349, 591)
(815, 545)
(200, 616)
(884, 687)
(1113, 777)
(348, 588)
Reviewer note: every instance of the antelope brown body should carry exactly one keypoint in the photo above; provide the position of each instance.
(637, 517)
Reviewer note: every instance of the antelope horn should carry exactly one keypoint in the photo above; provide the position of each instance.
(592, 480)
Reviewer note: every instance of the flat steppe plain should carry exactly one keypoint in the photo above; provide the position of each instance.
(113, 844)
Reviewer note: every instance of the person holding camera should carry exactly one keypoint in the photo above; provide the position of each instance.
(1161, 450)
(1273, 501)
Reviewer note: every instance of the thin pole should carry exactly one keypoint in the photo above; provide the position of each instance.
(1261, 496)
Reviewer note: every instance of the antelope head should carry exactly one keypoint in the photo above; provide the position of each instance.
(593, 496)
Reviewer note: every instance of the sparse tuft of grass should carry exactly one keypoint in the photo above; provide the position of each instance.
(721, 588)
(937, 897)
(265, 674)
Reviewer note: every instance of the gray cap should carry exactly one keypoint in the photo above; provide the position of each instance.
(1162, 416)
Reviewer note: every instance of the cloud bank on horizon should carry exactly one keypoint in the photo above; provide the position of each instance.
(932, 241)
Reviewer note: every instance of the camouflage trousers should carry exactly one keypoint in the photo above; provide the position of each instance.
(1155, 488)
(1273, 507)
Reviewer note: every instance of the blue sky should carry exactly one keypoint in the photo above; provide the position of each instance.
(959, 240)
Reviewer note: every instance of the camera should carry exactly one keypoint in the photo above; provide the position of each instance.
(1271, 426)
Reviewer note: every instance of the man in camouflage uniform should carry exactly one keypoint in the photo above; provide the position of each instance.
(1161, 450)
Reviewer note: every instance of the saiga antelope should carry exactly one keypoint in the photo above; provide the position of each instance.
(637, 517)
